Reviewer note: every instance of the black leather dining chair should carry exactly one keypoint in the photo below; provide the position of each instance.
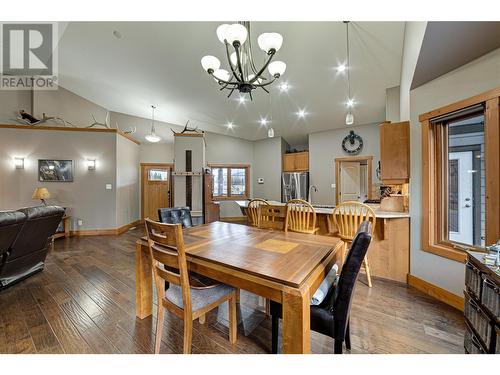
(331, 317)
(176, 215)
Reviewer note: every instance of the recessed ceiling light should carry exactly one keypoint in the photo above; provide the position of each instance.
(117, 34)
(242, 99)
(263, 121)
(301, 113)
(284, 86)
(341, 68)
(229, 125)
(350, 102)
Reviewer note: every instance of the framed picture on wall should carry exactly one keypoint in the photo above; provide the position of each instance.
(55, 170)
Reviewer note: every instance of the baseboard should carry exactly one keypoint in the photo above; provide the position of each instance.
(234, 219)
(436, 292)
(105, 232)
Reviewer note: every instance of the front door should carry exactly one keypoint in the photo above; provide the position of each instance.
(350, 181)
(460, 194)
(155, 192)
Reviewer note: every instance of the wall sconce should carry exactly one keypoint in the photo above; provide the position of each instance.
(91, 164)
(19, 163)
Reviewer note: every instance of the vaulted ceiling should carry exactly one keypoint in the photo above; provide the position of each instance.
(159, 63)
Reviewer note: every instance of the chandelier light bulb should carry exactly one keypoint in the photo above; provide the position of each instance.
(236, 33)
(222, 33)
(221, 75)
(210, 63)
(270, 41)
(242, 99)
(277, 68)
(349, 119)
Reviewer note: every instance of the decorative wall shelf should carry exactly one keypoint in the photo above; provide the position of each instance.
(185, 174)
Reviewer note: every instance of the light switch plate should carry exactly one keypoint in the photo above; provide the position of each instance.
(109, 187)
(333, 186)
(80, 222)
(260, 180)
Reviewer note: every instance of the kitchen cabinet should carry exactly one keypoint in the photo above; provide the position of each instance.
(296, 162)
(394, 152)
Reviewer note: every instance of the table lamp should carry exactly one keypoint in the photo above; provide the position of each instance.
(42, 194)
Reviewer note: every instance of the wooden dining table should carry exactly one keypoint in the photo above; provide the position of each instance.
(283, 267)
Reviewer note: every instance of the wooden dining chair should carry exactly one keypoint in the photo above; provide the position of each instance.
(166, 245)
(272, 217)
(253, 211)
(300, 217)
(347, 218)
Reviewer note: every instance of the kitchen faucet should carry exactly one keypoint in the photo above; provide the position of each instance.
(309, 198)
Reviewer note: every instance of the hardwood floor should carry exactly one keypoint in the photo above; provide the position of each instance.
(83, 302)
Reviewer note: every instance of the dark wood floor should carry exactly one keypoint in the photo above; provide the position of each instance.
(83, 302)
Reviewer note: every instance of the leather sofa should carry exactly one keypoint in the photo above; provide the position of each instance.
(25, 237)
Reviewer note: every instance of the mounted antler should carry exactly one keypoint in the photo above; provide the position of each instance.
(96, 123)
(28, 119)
(187, 129)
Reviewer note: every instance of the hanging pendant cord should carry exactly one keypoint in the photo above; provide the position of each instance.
(153, 130)
(348, 63)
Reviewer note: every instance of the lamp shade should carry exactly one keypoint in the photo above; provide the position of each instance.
(269, 41)
(277, 68)
(210, 62)
(349, 119)
(222, 32)
(221, 74)
(41, 193)
(236, 33)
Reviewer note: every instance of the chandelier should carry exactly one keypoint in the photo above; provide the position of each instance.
(243, 75)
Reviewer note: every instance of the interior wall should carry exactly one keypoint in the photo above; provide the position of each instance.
(86, 198)
(127, 182)
(392, 104)
(11, 102)
(156, 152)
(325, 147)
(268, 165)
(472, 79)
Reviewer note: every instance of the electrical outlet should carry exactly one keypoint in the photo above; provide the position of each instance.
(80, 222)
(109, 187)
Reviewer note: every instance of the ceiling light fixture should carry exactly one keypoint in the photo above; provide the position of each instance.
(229, 125)
(263, 121)
(242, 99)
(284, 87)
(301, 113)
(341, 68)
(244, 76)
(152, 137)
(349, 118)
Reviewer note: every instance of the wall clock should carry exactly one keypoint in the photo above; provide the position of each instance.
(352, 143)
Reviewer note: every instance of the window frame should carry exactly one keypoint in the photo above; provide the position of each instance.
(434, 152)
(229, 196)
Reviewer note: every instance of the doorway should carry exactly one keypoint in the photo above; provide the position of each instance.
(353, 176)
(156, 188)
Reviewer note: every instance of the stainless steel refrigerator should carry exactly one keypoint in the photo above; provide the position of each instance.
(294, 185)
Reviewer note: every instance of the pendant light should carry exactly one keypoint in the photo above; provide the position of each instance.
(349, 118)
(152, 137)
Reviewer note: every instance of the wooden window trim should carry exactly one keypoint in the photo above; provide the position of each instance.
(432, 205)
(230, 197)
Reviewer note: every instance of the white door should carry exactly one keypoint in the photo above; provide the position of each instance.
(350, 181)
(460, 218)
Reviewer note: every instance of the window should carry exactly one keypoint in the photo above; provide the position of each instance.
(158, 175)
(230, 181)
(461, 168)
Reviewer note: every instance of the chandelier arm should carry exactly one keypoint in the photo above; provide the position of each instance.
(231, 92)
(238, 60)
(271, 55)
(221, 80)
(230, 63)
(263, 88)
(264, 84)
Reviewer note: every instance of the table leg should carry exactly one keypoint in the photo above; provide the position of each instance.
(143, 281)
(296, 321)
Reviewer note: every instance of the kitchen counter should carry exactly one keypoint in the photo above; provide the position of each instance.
(329, 210)
(389, 251)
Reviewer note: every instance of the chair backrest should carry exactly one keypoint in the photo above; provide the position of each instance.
(300, 216)
(41, 223)
(166, 246)
(348, 276)
(11, 223)
(272, 217)
(176, 215)
(253, 211)
(348, 216)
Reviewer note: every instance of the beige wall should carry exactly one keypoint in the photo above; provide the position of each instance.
(127, 182)
(325, 146)
(474, 78)
(86, 197)
(10, 104)
(267, 165)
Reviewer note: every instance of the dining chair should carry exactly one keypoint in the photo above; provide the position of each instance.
(166, 245)
(331, 316)
(253, 211)
(347, 217)
(272, 217)
(300, 217)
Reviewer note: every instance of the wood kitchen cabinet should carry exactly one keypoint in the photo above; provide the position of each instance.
(296, 162)
(394, 152)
